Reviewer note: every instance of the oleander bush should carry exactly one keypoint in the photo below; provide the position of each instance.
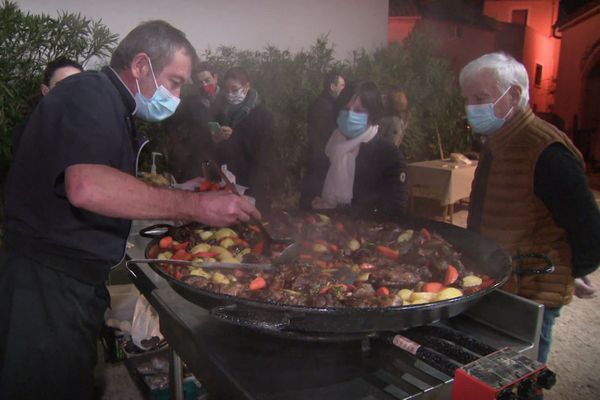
(287, 83)
(27, 43)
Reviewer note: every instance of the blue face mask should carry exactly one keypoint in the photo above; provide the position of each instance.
(482, 118)
(351, 123)
(161, 105)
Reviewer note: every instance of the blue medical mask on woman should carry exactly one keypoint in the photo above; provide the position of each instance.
(352, 123)
(482, 118)
(160, 106)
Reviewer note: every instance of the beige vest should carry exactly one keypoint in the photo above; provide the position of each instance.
(519, 221)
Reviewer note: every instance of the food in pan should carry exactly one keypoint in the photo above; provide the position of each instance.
(343, 263)
(159, 180)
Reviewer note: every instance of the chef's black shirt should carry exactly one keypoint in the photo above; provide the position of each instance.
(87, 119)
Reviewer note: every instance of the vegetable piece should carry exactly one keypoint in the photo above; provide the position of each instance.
(366, 266)
(165, 255)
(165, 242)
(319, 248)
(182, 255)
(339, 227)
(404, 294)
(181, 246)
(324, 218)
(451, 275)
(199, 272)
(205, 254)
(426, 234)
(202, 247)
(311, 220)
(448, 293)
(205, 186)
(432, 287)
(363, 277)
(353, 245)
(383, 291)
(388, 252)
(405, 236)
(258, 248)
(258, 283)
(416, 296)
(225, 233)
(232, 260)
(206, 235)
(221, 279)
(471, 281)
(226, 243)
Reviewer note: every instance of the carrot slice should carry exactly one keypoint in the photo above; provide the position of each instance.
(388, 252)
(383, 291)
(432, 287)
(258, 283)
(165, 242)
(451, 275)
(181, 246)
(426, 234)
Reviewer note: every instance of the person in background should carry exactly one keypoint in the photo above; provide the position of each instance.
(58, 70)
(70, 196)
(530, 192)
(189, 140)
(394, 124)
(243, 141)
(55, 71)
(320, 124)
(366, 172)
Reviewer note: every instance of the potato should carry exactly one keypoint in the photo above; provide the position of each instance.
(319, 248)
(324, 218)
(471, 281)
(221, 251)
(200, 248)
(353, 245)
(219, 278)
(418, 301)
(206, 235)
(427, 296)
(225, 232)
(199, 272)
(405, 236)
(447, 294)
(226, 243)
(165, 255)
(363, 277)
(404, 294)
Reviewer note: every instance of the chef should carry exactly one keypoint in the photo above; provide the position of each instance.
(71, 194)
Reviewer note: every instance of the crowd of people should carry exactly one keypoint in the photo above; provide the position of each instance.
(72, 191)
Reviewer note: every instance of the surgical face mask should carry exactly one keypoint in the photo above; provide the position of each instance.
(160, 106)
(352, 123)
(236, 97)
(210, 89)
(482, 118)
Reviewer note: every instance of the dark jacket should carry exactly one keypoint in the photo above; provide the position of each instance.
(321, 123)
(380, 182)
(188, 138)
(247, 153)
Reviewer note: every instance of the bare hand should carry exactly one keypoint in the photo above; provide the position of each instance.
(222, 134)
(223, 209)
(584, 289)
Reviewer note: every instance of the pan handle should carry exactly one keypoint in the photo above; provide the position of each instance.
(155, 231)
(231, 314)
(546, 269)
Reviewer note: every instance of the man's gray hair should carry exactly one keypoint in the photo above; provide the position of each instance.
(508, 71)
(158, 39)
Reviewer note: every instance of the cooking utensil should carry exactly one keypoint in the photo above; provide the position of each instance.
(219, 265)
(486, 257)
(268, 239)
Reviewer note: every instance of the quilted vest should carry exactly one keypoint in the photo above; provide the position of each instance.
(515, 218)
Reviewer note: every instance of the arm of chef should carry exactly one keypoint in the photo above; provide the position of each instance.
(108, 191)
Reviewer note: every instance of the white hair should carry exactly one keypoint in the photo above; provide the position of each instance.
(508, 71)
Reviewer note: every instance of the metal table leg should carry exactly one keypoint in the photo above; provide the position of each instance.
(175, 376)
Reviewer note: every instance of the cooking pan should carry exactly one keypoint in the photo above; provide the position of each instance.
(483, 257)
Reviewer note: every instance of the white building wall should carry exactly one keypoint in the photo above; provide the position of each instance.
(246, 24)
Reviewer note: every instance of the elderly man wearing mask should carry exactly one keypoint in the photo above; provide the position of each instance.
(530, 193)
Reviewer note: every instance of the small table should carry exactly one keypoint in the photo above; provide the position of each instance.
(442, 180)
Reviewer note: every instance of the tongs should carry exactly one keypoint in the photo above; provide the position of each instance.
(268, 239)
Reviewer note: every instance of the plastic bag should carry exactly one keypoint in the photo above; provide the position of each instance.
(145, 324)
